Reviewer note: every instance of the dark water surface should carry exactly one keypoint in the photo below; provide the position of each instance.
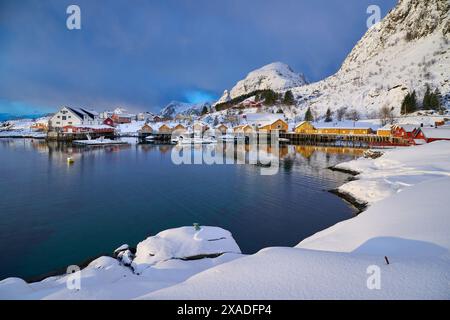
(53, 215)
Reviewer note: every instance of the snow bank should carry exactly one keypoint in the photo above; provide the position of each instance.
(396, 170)
(413, 223)
(290, 273)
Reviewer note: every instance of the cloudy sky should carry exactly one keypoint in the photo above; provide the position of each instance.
(143, 54)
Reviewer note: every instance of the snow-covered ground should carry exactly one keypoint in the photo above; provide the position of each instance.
(129, 129)
(396, 170)
(408, 224)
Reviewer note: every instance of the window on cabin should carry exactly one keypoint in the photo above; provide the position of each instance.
(64, 117)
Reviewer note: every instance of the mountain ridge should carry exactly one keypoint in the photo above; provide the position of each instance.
(405, 51)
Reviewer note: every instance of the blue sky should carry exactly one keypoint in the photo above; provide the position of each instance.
(143, 54)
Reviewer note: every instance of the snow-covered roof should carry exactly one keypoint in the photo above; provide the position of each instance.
(407, 127)
(262, 119)
(83, 113)
(387, 127)
(301, 123)
(436, 133)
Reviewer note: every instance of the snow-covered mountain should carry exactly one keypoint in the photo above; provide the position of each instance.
(175, 107)
(276, 76)
(408, 49)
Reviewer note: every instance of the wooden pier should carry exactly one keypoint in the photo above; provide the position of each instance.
(356, 140)
(370, 139)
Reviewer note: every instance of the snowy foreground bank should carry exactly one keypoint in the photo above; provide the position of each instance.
(407, 221)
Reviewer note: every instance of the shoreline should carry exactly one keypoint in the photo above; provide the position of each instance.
(61, 271)
(345, 196)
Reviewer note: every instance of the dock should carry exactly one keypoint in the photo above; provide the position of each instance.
(371, 139)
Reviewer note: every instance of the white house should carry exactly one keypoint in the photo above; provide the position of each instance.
(68, 116)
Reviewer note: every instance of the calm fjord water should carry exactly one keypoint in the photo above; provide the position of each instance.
(53, 215)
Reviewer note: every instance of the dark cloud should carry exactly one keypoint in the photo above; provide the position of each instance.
(142, 54)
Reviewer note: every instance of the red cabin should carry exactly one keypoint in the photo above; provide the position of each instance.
(405, 131)
(109, 122)
(121, 118)
(427, 135)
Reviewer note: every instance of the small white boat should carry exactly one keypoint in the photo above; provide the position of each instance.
(231, 138)
(150, 138)
(196, 140)
(102, 141)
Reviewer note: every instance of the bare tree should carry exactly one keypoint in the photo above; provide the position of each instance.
(340, 113)
(386, 115)
(353, 115)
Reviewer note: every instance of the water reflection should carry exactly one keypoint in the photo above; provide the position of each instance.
(288, 155)
(121, 194)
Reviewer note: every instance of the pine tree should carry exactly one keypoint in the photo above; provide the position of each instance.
(270, 97)
(413, 106)
(288, 98)
(426, 104)
(204, 110)
(328, 117)
(308, 115)
(409, 103)
(435, 100)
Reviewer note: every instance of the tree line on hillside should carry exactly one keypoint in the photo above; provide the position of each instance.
(341, 114)
(267, 97)
(431, 101)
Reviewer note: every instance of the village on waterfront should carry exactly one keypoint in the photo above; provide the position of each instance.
(71, 123)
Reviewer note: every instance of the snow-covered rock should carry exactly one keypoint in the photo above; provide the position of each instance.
(183, 243)
(276, 76)
(109, 278)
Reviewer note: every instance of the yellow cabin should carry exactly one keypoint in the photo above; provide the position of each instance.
(278, 125)
(200, 127)
(384, 132)
(344, 130)
(146, 128)
(179, 127)
(305, 127)
(164, 129)
(243, 129)
(222, 128)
